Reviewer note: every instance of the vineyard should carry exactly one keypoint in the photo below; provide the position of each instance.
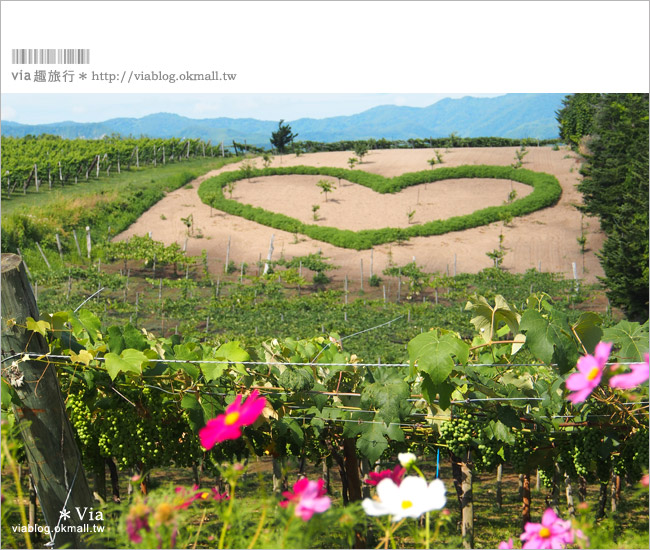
(55, 161)
(222, 397)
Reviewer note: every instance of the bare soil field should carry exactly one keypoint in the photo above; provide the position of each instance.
(545, 239)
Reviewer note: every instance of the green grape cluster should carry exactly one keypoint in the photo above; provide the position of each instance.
(633, 458)
(546, 476)
(152, 433)
(521, 451)
(457, 434)
(81, 419)
(487, 459)
(85, 428)
(585, 451)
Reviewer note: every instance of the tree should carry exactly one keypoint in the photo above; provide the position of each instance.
(282, 137)
(361, 150)
(615, 188)
(267, 159)
(247, 169)
(576, 117)
(326, 187)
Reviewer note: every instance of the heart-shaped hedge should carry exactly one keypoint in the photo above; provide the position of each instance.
(546, 192)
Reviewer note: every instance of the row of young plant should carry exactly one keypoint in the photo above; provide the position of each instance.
(162, 289)
(546, 192)
(453, 140)
(143, 400)
(111, 209)
(59, 161)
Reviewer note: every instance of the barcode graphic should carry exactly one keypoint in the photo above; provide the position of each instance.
(51, 56)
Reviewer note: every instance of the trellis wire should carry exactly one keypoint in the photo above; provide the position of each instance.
(34, 356)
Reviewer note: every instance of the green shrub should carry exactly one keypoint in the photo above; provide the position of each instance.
(546, 192)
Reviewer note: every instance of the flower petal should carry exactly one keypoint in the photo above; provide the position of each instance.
(436, 498)
(388, 491)
(577, 381)
(602, 351)
(586, 363)
(374, 507)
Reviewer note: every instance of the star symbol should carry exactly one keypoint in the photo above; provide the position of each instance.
(83, 76)
(64, 514)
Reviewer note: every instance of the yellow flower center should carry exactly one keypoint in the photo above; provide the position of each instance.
(406, 504)
(164, 512)
(593, 373)
(204, 495)
(231, 418)
(544, 532)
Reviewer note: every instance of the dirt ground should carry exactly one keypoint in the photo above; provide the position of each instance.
(545, 239)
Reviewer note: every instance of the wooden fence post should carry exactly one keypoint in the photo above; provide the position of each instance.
(76, 242)
(58, 245)
(43, 256)
(267, 265)
(52, 453)
(227, 256)
(88, 241)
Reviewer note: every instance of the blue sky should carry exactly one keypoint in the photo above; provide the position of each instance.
(46, 108)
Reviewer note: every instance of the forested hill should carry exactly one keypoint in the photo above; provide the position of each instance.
(511, 116)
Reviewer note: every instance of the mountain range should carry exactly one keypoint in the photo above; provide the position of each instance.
(511, 115)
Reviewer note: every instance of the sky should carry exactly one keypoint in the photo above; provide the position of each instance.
(47, 108)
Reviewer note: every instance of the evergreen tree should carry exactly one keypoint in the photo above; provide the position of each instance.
(576, 117)
(615, 189)
(282, 137)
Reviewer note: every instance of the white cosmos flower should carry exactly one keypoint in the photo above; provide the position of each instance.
(406, 459)
(412, 498)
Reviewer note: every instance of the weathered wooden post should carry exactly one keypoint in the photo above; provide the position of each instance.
(267, 265)
(52, 453)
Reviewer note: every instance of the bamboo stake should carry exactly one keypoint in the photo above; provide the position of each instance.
(88, 241)
(58, 245)
(43, 255)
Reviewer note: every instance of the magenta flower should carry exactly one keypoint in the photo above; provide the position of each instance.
(503, 545)
(228, 425)
(553, 532)
(396, 474)
(310, 497)
(136, 521)
(190, 496)
(590, 369)
(632, 379)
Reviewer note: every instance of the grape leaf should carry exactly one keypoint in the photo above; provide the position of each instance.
(372, 442)
(38, 326)
(587, 327)
(488, 318)
(130, 360)
(548, 340)
(630, 338)
(433, 352)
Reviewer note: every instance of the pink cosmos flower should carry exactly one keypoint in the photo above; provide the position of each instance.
(396, 474)
(632, 379)
(190, 496)
(590, 369)
(645, 480)
(553, 532)
(228, 425)
(503, 545)
(136, 521)
(310, 498)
